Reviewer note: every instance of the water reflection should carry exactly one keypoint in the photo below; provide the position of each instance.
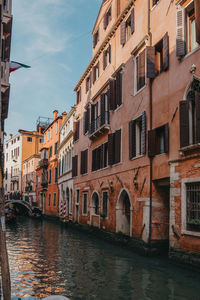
(47, 258)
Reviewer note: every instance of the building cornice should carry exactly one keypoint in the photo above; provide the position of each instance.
(69, 135)
(32, 156)
(104, 43)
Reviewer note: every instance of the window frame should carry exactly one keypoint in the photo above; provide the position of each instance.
(136, 91)
(83, 203)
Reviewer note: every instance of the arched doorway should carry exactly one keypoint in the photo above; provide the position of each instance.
(123, 214)
(94, 210)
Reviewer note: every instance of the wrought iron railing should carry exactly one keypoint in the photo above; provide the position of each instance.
(103, 119)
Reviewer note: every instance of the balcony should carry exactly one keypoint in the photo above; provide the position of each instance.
(43, 163)
(15, 178)
(100, 125)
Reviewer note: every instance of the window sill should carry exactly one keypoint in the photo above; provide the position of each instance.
(184, 150)
(192, 233)
(137, 92)
(118, 107)
(100, 169)
(189, 53)
(138, 156)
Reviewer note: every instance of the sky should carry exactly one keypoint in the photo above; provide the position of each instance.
(54, 37)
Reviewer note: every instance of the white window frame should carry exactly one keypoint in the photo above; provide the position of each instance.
(135, 72)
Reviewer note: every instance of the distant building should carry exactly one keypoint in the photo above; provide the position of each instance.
(65, 181)
(136, 136)
(47, 193)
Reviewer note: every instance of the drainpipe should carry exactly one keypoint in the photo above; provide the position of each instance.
(151, 116)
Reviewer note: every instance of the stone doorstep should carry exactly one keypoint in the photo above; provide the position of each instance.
(185, 258)
(132, 243)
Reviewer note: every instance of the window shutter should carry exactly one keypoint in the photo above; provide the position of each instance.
(151, 62)
(87, 119)
(118, 94)
(197, 19)
(101, 156)
(105, 21)
(86, 161)
(131, 141)
(184, 123)
(123, 33)
(102, 109)
(180, 32)
(93, 74)
(110, 149)
(143, 137)
(74, 131)
(132, 21)
(197, 103)
(104, 60)
(77, 129)
(152, 143)
(166, 51)
(90, 79)
(109, 51)
(141, 70)
(166, 140)
(82, 162)
(117, 143)
(93, 160)
(112, 94)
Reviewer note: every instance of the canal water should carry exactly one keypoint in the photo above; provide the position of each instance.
(47, 258)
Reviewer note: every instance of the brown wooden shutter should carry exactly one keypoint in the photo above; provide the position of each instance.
(110, 149)
(117, 147)
(109, 52)
(93, 160)
(90, 79)
(151, 73)
(166, 52)
(78, 129)
(101, 156)
(143, 137)
(84, 121)
(197, 103)
(86, 161)
(152, 143)
(105, 21)
(104, 59)
(197, 19)
(82, 162)
(131, 139)
(132, 21)
(123, 33)
(93, 74)
(166, 138)
(180, 32)
(118, 93)
(74, 131)
(103, 109)
(74, 165)
(112, 94)
(184, 123)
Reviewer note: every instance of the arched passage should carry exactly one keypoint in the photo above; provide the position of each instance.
(21, 205)
(123, 213)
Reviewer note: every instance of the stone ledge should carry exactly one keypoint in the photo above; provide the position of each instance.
(132, 243)
(187, 258)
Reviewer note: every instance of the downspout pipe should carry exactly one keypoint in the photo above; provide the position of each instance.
(151, 123)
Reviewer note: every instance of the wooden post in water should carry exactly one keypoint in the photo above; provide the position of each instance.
(5, 272)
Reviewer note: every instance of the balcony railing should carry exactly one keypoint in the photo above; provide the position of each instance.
(43, 163)
(100, 125)
(15, 178)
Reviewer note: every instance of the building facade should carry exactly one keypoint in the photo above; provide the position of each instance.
(65, 181)
(136, 157)
(47, 193)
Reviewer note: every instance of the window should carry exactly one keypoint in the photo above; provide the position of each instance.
(54, 199)
(188, 28)
(18, 138)
(107, 18)
(158, 140)
(193, 206)
(95, 38)
(49, 176)
(78, 96)
(107, 57)
(84, 161)
(88, 83)
(114, 147)
(100, 157)
(29, 139)
(95, 72)
(76, 130)
(77, 196)
(56, 148)
(85, 197)
(56, 174)
(50, 152)
(137, 136)
(86, 119)
(127, 28)
(75, 166)
(41, 141)
(105, 204)
(49, 199)
(189, 116)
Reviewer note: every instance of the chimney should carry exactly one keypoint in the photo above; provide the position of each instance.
(10, 135)
(64, 114)
(55, 114)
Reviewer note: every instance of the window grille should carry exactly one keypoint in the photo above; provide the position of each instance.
(193, 204)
